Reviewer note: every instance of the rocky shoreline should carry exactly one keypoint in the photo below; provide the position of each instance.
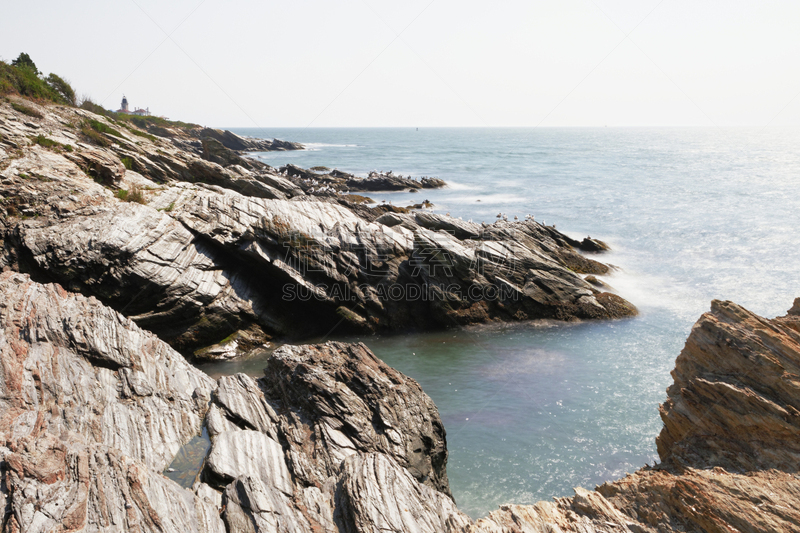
(332, 439)
(116, 252)
(202, 246)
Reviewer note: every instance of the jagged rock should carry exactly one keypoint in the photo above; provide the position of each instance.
(248, 453)
(736, 397)
(377, 495)
(63, 353)
(53, 485)
(280, 443)
(247, 248)
(351, 401)
(729, 445)
(99, 165)
(344, 182)
(249, 506)
(92, 409)
(214, 151)
(241, 144)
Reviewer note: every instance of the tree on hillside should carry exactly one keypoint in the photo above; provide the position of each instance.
(24, 60)
(62, 87)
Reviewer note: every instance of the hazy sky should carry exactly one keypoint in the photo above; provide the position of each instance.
(422, 62)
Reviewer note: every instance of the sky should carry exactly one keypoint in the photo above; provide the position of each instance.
(424, 63)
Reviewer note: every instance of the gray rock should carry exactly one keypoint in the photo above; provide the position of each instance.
(377, 495)
(92, 409)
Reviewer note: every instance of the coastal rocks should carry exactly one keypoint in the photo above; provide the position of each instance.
(312, 445)
(235, 142)
(62, 484)
(728, 448)
(343, 182)
(210, 250)
(349, 400)
(735, 402)
(99, 165)
(376, 494)
(92, 409)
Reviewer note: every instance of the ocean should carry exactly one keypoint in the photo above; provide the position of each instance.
(534, 409)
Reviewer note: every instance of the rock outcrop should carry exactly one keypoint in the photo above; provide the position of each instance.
(331, 439)
(338, 181)
(729, 446)
(92, 409)
(313, 442)
(196, 251)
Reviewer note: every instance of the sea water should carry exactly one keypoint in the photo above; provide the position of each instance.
(532, 410)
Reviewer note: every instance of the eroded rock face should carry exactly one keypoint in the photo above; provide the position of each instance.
(92, 409)
(313, 442)
(211, 249)
(729, 446)
(376, 494)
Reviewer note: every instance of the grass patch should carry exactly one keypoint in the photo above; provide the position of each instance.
(94, 130)
(141, 133)
(99, 127)
(147, 122)
(133, 195)
(94, 137)
(41, 140)
(25, 110)
(127, 163)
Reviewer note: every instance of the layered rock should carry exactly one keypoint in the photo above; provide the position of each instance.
(248, 250)
(331, 439)
(313, 442)
(729, 446)
(92, 409)
(337, 180)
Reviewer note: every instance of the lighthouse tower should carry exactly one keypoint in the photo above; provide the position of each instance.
(124, 107)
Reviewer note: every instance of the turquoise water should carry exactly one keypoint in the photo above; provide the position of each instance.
(532, 410)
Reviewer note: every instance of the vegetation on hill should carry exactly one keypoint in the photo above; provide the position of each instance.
(23, 78)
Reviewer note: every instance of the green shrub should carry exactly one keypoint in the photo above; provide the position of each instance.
(23, 79)
(41, 140)
(94, 137)
(61, 87)
(133, 195)
(88, 105)
(99, 127)
(127, 162)
(24, 61)
(26, 110)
